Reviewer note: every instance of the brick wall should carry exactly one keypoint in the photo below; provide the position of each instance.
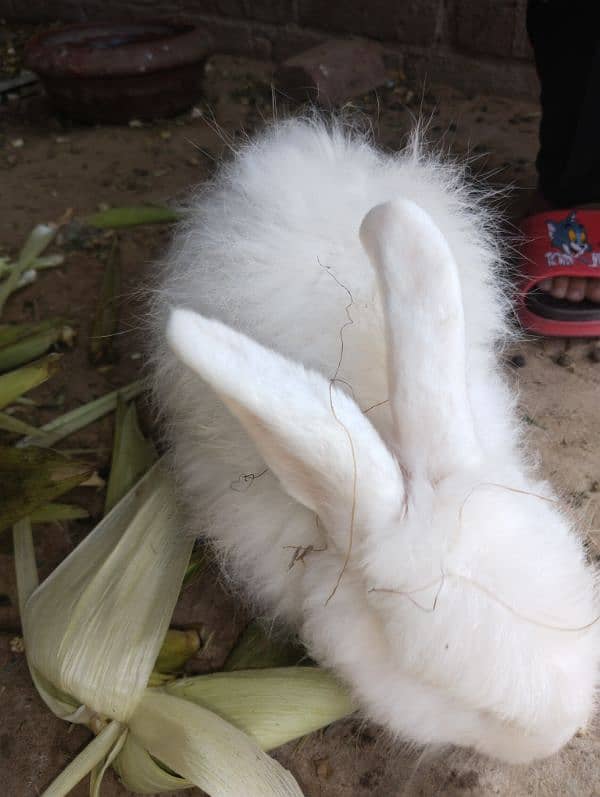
(475, 44)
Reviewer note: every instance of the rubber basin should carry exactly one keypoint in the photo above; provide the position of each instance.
(117, 72)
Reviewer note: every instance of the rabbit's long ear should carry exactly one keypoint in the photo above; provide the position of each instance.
(421, 295)
(314, 438)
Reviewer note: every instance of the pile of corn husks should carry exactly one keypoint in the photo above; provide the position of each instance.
(96, 631)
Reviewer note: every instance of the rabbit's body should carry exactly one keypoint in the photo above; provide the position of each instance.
(272, 249)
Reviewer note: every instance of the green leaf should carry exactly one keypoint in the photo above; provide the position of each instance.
(272, 706)
(206, 750)
(255, 649)
(106, 318)
(9, 423)
(31, 477)
(141, 773)
(94, 627)
(89, 758)
(49, 513)
(200, 560)
(15, 383)
(73, 421)
(132, 454)
(177, 648)
(20, 343)
(39, 238)
(131, 216)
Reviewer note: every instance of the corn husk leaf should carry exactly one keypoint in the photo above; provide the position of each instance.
(90, 757)
(27, 583)
(21, 343)
(48, 261)
(141, 773)
(94, 628)
(177, 648)
(273, 706)
(15, 383)
(206, 750)
(132, 454)
(12, 333)
(201, 559)
(76, 419)
(39, 238)
(92, 632)
(256, 649)
(32, 477)
(51, 513)
(131, 216)
(106, 317)
(79, 641)
(25, 567)
(9, 423)
(101, 768)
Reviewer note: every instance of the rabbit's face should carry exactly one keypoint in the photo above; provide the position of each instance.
(493, 618)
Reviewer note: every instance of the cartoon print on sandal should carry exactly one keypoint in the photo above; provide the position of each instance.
(568, 235)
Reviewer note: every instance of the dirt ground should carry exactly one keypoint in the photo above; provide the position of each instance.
(48, 166)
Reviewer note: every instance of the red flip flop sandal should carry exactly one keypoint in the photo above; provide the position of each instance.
(559, 243)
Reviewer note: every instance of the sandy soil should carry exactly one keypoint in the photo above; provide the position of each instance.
(48, 166)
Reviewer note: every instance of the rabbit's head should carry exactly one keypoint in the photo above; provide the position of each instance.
(481, 602)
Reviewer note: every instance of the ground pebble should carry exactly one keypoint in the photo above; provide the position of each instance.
(563, 360)
(594, 354)
(517, 360)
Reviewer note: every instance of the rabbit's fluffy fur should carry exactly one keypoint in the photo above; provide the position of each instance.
(410, 545)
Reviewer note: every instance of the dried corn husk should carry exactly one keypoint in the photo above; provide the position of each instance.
(92, 633)
(76, 419)
(50, 513)
(132, 454)
(15, 383)
(20, 343)
(131, 216)
(32, 477)
(8, 423)
(39, 238)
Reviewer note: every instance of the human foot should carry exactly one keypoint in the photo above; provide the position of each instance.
(559, 278)
(573, 289)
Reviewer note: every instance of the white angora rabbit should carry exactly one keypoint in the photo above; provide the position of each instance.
(326, 336)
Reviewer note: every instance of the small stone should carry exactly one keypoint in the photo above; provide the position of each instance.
(103, 206)
(135, 123)
(517, 360)
(323, 768)
(17, 645)
(165, 135)
(17, 143)
(563, 360)
(196, 113)
(595, 486)
(61, 139)
(332, 72)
